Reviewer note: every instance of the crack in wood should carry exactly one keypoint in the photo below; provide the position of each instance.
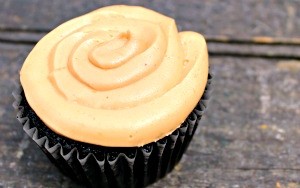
(261, 40)
(253, 55)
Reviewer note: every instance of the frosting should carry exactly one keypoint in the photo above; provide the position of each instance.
(119, 76)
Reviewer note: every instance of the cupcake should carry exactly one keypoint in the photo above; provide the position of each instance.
(114, 97)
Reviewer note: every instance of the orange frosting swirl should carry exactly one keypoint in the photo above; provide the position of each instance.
(116, 76)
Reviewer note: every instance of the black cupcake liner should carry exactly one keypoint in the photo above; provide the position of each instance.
(99, 166)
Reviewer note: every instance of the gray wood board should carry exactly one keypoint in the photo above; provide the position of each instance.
(240, 19)
(249, 136)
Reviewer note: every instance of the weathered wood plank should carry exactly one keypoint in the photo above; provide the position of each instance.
(237, 19)
(249, 136)
(229, 178)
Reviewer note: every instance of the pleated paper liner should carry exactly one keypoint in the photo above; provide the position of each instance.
(98, 166)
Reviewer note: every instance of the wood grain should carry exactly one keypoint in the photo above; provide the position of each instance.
(250, 134)
(273, 18)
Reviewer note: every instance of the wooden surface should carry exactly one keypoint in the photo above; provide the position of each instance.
(250, 135)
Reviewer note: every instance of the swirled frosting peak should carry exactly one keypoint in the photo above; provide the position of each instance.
(118, 76)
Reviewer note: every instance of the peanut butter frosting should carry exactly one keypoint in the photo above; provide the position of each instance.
(119, 76)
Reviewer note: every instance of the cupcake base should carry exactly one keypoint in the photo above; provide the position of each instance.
(98, 166)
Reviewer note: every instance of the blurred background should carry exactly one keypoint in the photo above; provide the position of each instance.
(249, 136)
